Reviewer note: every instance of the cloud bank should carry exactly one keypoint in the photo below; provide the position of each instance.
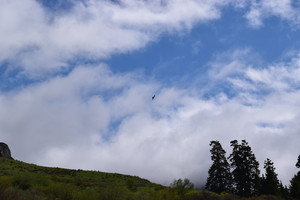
(85, 116)
(69, 121)
(42, 42)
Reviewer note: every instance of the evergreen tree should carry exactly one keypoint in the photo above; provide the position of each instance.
(295, 183)
(284, 191)
(270, 182)
(244, 169)
(219, 176)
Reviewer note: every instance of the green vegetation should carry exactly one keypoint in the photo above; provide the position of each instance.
(19, 180)
(243, 179)
(22, 181)
(219, 177)
(269, 182)
(295, 183)
(181, 187)
(245, 170)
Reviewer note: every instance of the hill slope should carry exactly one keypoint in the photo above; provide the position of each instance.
(19, 180)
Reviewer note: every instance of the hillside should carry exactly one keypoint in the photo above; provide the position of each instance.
(23, 181)
(19, 180)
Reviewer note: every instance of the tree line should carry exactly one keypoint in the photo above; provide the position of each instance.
(239, 173)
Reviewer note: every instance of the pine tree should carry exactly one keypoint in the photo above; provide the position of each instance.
(219, 176)
(284, 191)
(270, 182)
(295, 183)
(244, 169)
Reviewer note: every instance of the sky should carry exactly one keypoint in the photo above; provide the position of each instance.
(77, 77)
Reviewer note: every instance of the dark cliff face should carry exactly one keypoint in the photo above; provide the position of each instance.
(4, 151)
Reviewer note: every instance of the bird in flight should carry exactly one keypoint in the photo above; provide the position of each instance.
(153, 97)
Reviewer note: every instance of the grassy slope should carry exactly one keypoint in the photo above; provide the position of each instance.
(22, 181)
(28, 181)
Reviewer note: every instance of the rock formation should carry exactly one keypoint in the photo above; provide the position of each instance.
(4, 151)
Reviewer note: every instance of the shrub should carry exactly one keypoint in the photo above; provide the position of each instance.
(182, 186)
(114, 192)
(21, 182)
(11, 194)
(201, 195)
(60, 191)
(86, 195)
(6, 181)
(131, 185)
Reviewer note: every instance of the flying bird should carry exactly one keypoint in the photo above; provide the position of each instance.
(153, 97)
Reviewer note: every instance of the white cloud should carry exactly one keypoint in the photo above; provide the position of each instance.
(39, 41)
(278, 77)
(175, 14)
(229, 63)
(68, 122)
(262, 9)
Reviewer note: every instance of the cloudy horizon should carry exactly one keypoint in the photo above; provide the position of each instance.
(77, 77)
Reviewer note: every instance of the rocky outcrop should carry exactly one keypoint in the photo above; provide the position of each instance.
(4, 151)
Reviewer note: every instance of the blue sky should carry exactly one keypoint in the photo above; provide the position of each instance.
(77, 77)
